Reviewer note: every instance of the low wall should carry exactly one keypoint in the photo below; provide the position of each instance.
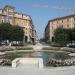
(28, 61)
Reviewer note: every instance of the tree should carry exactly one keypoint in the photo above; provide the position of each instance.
(11, 32)
(73, 34)
(69, 33)
(17, 33)
(5, 31)
(61, 37)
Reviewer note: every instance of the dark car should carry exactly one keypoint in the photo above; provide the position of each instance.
(71, 45)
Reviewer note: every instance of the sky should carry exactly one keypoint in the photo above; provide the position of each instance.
(41, 11)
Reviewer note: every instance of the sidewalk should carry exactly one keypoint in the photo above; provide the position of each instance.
(35, 71)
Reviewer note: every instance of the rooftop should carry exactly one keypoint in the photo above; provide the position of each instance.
(9, 6)
(58, 18)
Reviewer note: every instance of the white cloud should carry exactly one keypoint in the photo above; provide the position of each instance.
(51, 7)
(40, 5)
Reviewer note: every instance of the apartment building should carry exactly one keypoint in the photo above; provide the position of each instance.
(64, 22)
(9, 15)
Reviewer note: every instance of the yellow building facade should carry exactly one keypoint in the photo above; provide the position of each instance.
(9, 15)
(64, 22)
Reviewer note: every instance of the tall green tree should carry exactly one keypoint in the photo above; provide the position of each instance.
(61, 37)
(17, 33)
(5, 31)
(11, 32)
(73, 34)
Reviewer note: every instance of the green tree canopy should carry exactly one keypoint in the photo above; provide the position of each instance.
(5, 31)
(11, 32)
(61, 36)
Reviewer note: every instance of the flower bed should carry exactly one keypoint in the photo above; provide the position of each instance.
(56, 63)
(60, 59)
(4, 62)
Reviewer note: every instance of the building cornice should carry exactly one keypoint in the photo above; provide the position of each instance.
(9, 6)
(22, 18)
(59, 18)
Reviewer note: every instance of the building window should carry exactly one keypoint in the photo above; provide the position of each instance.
(26, 28)
(62, 21)
(68, 19)
(52, 39)
(2, 20)
(67, 25)
(27, 22)
(26, 32)
(57, 22)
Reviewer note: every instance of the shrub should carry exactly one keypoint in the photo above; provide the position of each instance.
(56, 44)
(5, 62)
(51, 48)
(56, 63)
(29, 48)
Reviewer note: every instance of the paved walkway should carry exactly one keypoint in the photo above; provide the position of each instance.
(34, 71)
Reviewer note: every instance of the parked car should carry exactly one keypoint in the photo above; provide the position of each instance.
(18, 43)
(71, 45)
